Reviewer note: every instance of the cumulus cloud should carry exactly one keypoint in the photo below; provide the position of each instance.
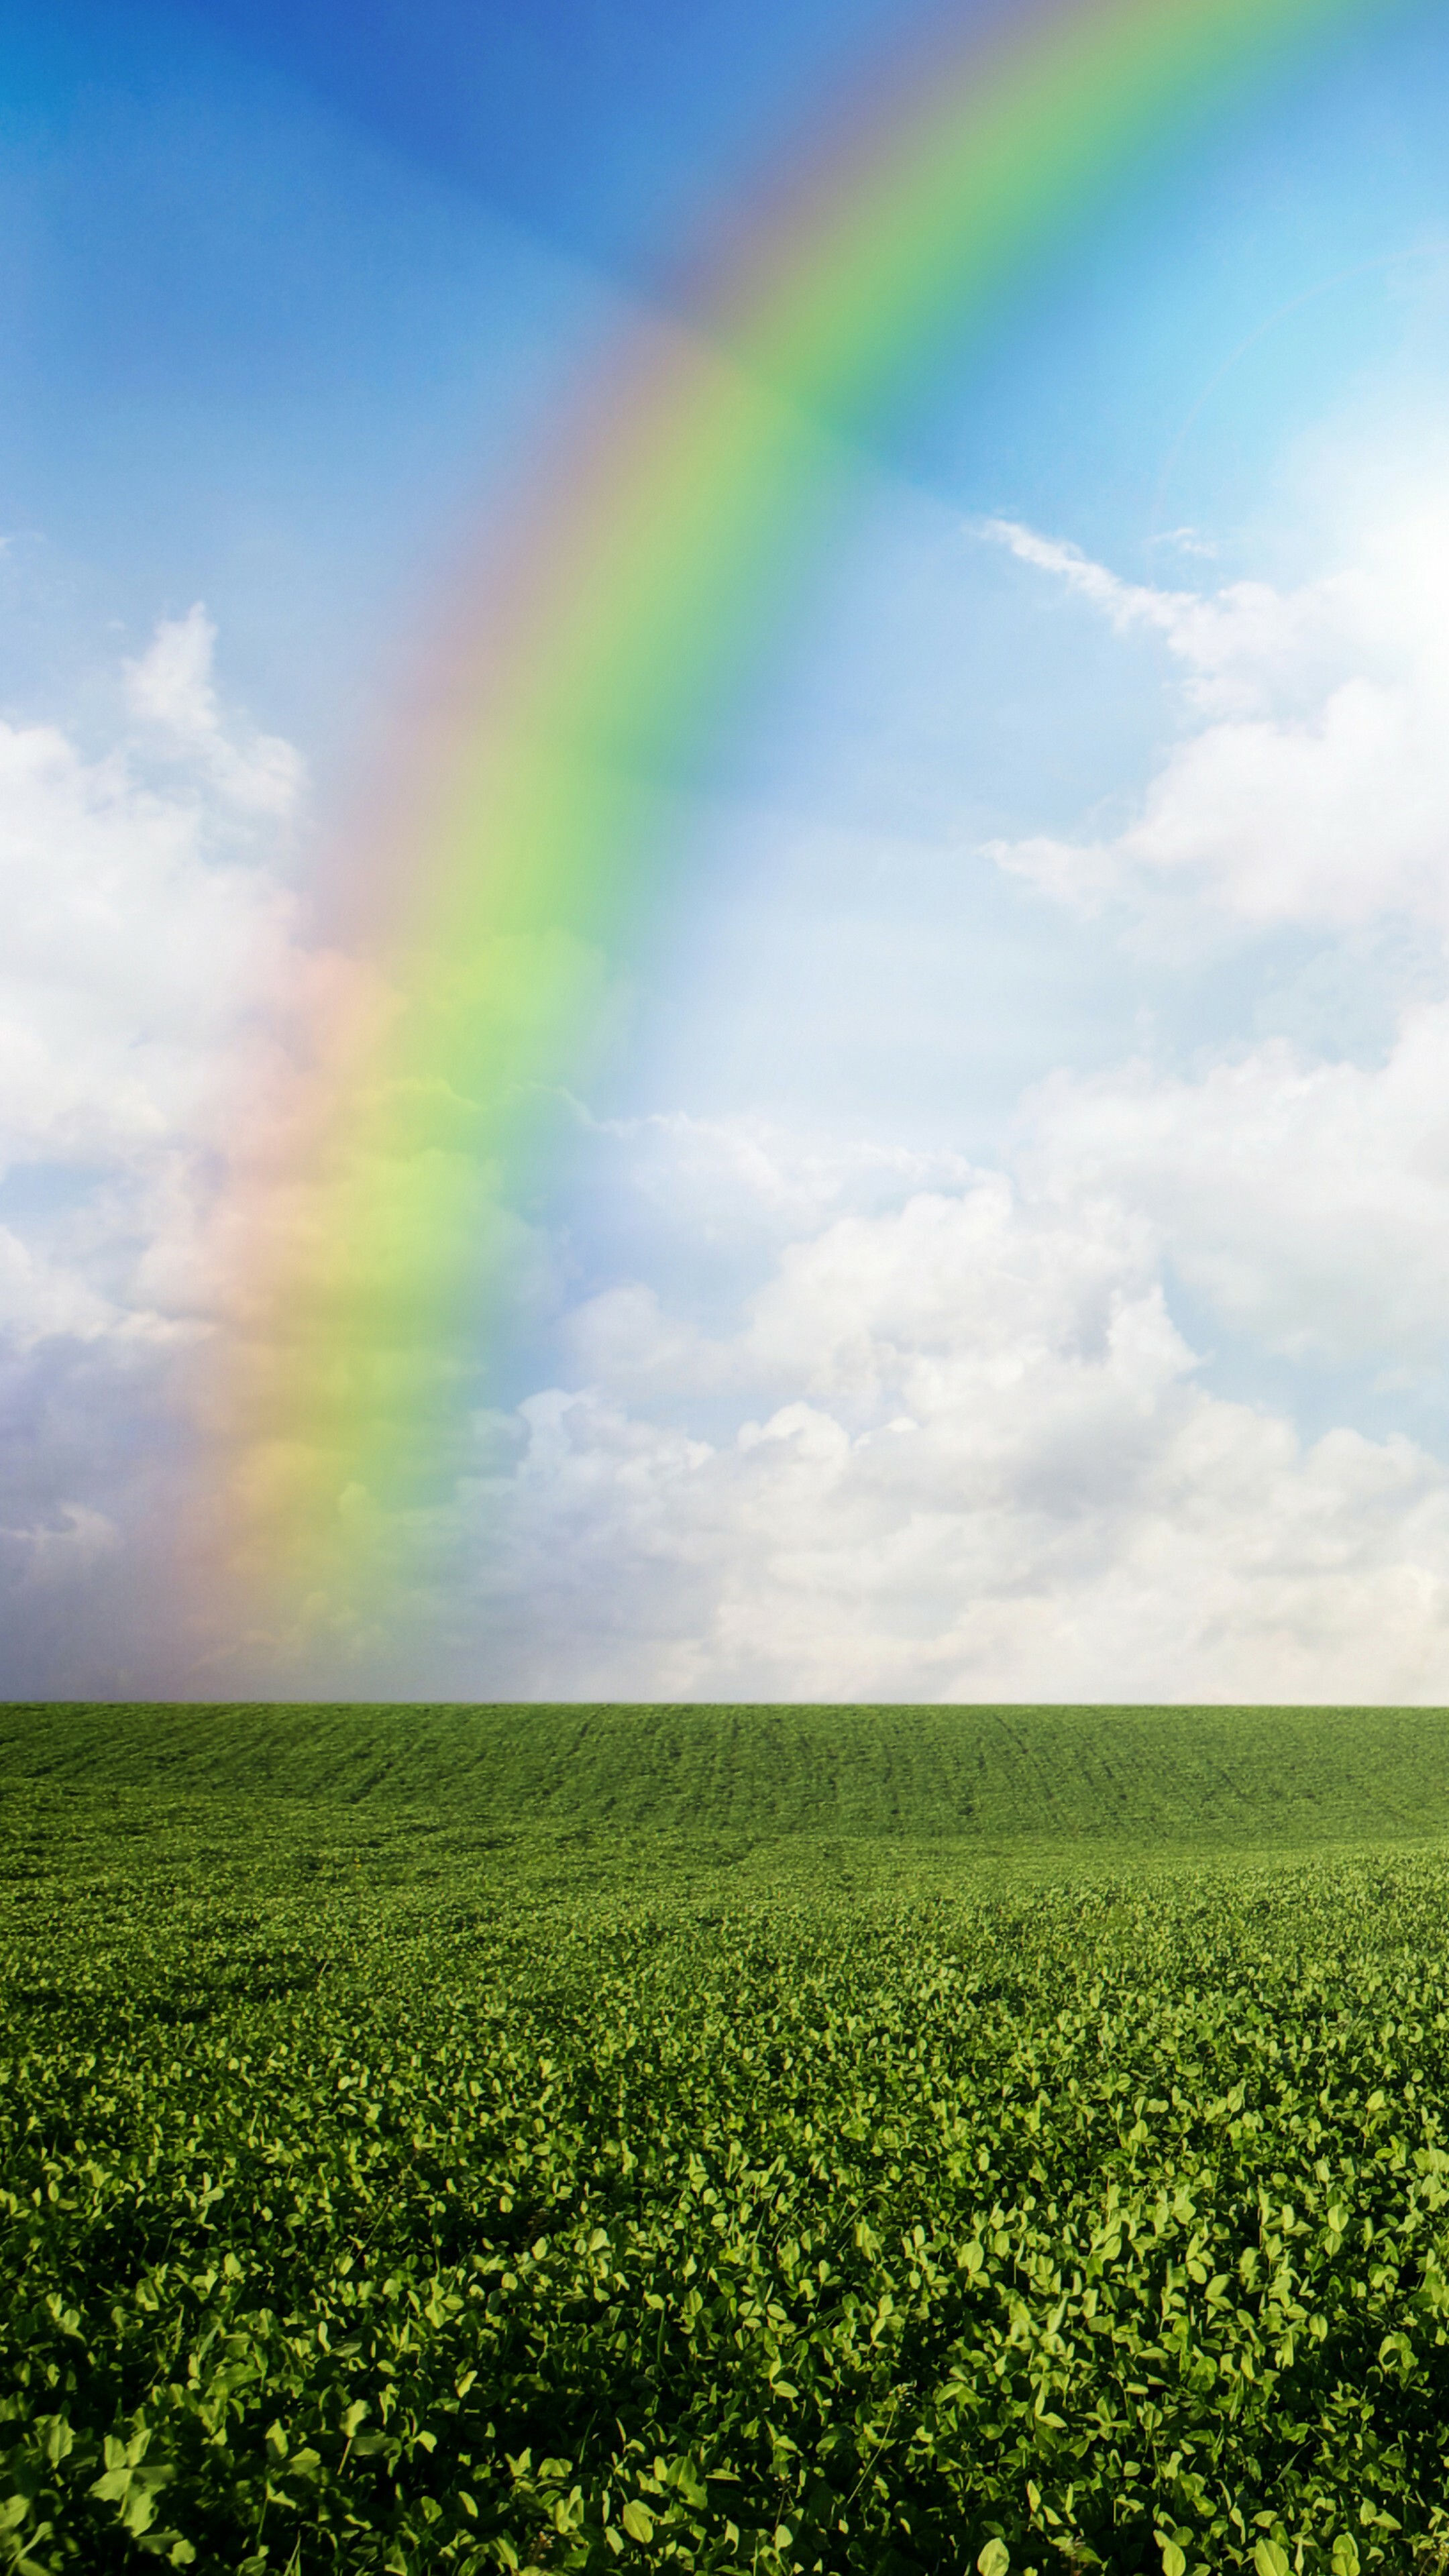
(994, 1472)
(970, 1453)
(940, 1433)
(1312, 781)
(150, 961)
(171, 690)
(41, 1297)
(1305, 1202)
(132, 944)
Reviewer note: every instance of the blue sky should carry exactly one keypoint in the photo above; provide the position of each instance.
(1062, 921)
(287, 288)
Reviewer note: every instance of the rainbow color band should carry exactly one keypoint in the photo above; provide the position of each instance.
(689, 497)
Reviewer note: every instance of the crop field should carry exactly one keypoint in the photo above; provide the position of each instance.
(995, 1779)
(400, 2183)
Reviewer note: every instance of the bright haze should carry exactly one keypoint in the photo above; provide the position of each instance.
(1003, 1251)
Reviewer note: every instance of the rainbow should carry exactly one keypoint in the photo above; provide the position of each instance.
(685, 503)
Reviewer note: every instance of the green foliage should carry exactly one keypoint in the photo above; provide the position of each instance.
(383, 2195)
(1076, 1780)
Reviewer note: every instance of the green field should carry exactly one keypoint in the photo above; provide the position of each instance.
(769, 2139)
(1142, 1779)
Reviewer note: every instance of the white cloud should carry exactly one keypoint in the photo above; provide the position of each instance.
(40, 1298)
(957, 1445)
(1306, 1203)
(721, 1169)
(132, 950)
(985, 1467)
(171, 690)
(1313, 785)
(624, 1338)
(150, 967)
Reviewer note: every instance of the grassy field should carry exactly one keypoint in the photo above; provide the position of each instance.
(1139, 1779)
(756, 2139)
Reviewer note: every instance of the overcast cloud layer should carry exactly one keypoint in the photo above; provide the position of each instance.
(970, 1430)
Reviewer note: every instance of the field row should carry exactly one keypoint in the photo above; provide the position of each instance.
(367, 2216)
(1078, 1778)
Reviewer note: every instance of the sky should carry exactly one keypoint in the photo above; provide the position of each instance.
(1002, 1250)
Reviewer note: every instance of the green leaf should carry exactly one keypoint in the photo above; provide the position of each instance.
(59, 2439)
(139, 2511)
(1270, 2558)
(638, 2521)
(994, 2560)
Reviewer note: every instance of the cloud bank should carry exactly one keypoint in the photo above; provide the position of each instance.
(983, 1466)
(983, 1457)
(964, 1433)
(151, 954)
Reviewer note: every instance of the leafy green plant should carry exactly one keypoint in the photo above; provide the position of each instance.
(381, 2196)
